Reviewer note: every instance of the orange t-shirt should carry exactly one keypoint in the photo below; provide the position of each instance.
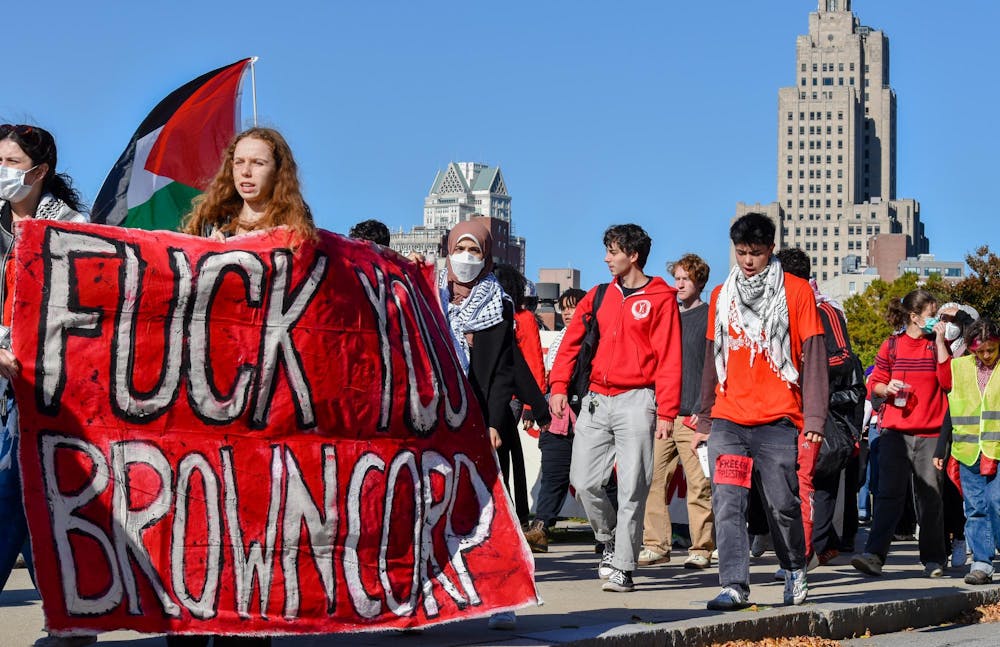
(756, 395)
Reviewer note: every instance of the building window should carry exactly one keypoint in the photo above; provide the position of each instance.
(814, 67)
(827, 80)
(789, 144)
(803, 67)
(802, 174)
(788, 188)
(803, 80)
(789, 173)
(789, 116)
(852, 67)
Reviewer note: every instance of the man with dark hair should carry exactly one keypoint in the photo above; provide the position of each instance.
(634, 394)
(764, 383)
(371, 230)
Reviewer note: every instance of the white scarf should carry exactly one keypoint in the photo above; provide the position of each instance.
(757, 309)
(482, 309)
(52, 208)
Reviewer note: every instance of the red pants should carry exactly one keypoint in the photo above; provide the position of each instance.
(808, 453)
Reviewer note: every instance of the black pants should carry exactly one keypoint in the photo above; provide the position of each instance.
(954, 512)
(900, 457)
(511, 456)
(850, 530)
(825, 490)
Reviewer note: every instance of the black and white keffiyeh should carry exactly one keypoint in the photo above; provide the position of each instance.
(482, 309)
(757, 309)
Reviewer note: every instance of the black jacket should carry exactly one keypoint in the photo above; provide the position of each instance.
(491, 367)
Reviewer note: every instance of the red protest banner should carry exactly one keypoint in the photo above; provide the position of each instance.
(241, 437)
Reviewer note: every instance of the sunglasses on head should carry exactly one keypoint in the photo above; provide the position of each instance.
(20, 129)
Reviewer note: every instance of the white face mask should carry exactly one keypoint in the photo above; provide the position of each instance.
(465, 266)
(951, 331)
(12, 186)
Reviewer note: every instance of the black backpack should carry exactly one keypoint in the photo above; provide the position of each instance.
(579, 382)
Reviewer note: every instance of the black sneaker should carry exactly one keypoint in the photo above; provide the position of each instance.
(868, 564)
(619, 582)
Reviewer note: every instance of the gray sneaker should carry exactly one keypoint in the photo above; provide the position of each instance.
(796, 587)
(728, 599)
(868, 563)
(933, 569)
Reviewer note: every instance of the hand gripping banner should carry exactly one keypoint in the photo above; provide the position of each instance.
(250, 437)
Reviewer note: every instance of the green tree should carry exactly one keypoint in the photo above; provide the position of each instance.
(981, 289)
(866, 315)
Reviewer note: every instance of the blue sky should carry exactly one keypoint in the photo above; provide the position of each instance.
(660, 113)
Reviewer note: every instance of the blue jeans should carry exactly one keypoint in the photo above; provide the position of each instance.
(981, 495)
(13, 527)
(774, 449)
(870, 486)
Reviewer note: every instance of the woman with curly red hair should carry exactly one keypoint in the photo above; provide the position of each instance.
(256, 188)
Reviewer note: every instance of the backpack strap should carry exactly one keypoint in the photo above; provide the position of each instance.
(598, 299)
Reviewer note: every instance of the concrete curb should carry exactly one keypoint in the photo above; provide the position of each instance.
(834, 621)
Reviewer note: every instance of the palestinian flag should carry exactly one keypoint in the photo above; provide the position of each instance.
(174, 154)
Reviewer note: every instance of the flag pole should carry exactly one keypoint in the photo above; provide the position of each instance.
(253, 87)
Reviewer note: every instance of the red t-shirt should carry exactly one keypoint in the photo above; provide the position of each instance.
(756, 395)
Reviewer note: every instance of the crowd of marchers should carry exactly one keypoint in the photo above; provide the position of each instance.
(786, 442)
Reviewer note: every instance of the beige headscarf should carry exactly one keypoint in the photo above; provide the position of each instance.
(477, 232)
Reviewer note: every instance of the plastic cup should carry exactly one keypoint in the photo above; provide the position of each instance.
(902, 395)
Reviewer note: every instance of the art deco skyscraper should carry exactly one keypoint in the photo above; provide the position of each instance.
(837, 147)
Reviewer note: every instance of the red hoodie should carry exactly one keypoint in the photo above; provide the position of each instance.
(640, 345)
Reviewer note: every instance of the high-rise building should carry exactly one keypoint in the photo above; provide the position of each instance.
(837, 147)
(459, 192)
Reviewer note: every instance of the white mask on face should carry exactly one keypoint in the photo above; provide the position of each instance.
(951, 331)
(12, 186)
(465, 266)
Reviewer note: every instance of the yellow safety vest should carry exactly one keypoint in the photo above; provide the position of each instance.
(975, 416)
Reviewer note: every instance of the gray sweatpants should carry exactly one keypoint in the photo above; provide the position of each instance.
(620, 429)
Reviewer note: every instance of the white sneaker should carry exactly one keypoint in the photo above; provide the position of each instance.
(796, 587)
(696, 561)
(605, 568)
(958, 553)
(503, 621)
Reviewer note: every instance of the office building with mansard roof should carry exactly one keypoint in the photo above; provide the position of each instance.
(459, 192)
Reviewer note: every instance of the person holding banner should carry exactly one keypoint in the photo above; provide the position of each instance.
(481, 317)
(30, 187)
(256, 188)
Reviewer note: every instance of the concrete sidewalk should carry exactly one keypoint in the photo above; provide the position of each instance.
(667, 607)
